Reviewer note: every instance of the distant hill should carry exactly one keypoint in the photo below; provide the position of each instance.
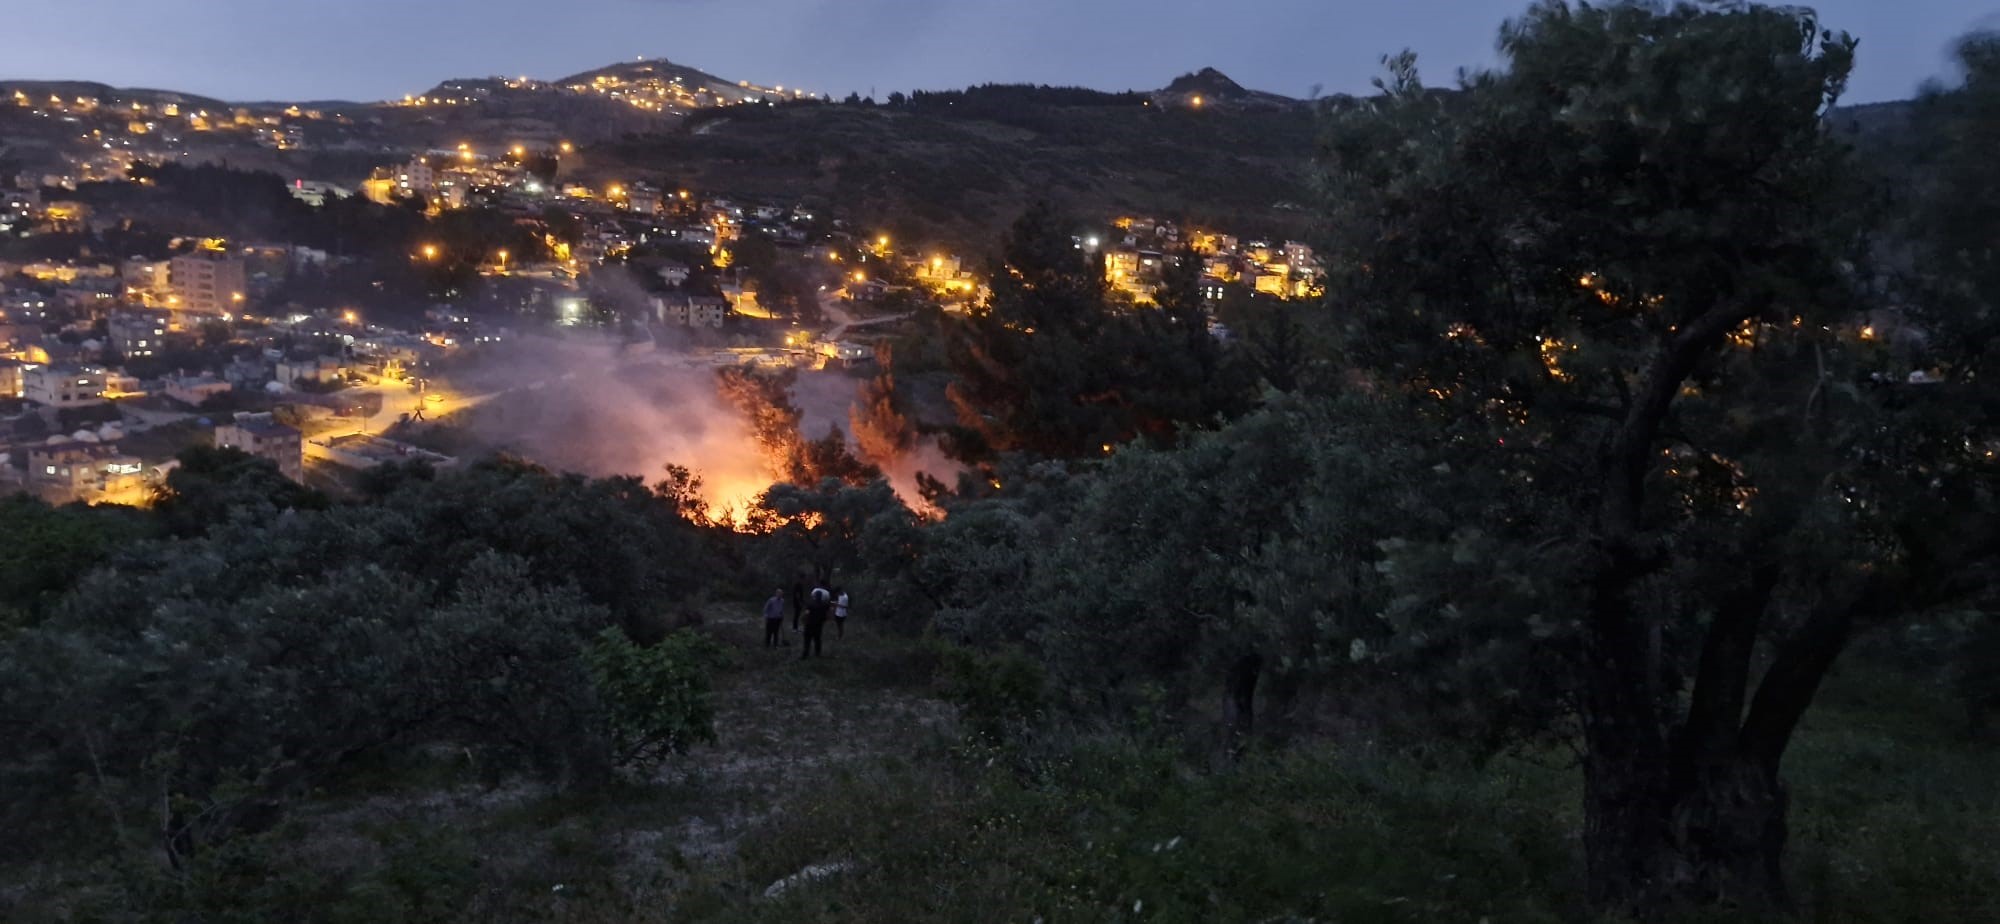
(1214, 87)
(104, 94)
(642, 71)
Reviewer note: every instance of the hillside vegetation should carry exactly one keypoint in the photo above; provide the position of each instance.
(1618, 541)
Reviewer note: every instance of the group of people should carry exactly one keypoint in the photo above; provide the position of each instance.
(812, 610)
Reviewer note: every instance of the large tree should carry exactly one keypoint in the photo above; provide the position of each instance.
(1626, 272)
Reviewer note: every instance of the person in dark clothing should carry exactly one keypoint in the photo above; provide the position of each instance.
(816, 613)
(798, 603)
(774, 617)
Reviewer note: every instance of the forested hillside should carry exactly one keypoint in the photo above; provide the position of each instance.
(1616, 541)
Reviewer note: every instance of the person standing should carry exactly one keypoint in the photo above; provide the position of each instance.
(816, 613)
(798, 603)
(839, 613)
(774, 617)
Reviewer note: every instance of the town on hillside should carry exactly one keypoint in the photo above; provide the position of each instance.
(152, 300)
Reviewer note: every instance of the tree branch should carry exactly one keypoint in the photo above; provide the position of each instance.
(1802, 663)
(1722, 680)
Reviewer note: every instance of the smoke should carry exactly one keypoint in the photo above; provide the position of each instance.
(600, 410)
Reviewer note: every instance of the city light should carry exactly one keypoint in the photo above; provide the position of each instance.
(430, 251)
(350, 317)
(1197, 102)
(860, 277)
(567, 147)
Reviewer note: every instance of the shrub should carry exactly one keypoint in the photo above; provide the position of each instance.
(656, 699)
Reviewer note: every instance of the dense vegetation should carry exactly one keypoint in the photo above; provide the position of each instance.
(1615, 543)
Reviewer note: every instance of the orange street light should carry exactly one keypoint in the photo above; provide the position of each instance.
(430, 251)
(860, 277)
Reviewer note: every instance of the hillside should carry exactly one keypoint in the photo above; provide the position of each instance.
(1213, 87)
(931, 172)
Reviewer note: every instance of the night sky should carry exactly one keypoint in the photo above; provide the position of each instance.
(379, 49)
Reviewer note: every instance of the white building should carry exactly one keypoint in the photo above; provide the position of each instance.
(691, 310)
(63, 386)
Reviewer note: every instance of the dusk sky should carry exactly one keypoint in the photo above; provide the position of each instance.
(378, 49)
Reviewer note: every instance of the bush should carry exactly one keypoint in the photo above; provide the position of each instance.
(994, 693)
(656, 699)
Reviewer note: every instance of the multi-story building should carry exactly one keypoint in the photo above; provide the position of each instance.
(91, 473)
(261, 436)
(148, 282)
(691, 310)
(1300, 257)
(63, 386)
(137, 335)
(208, 282)
(417, 176)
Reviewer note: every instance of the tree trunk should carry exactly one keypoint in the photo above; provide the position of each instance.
(1656, 848)
(1240, 708)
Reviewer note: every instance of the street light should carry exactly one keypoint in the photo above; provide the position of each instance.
(430, 251)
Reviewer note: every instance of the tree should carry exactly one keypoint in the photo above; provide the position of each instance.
(210, 484)
(1625, 273)
(837, 528)
(50, 549)
(881, 430)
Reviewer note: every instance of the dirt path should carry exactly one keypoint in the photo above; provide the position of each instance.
(783, 723)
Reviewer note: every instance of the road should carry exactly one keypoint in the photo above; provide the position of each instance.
(833, 306)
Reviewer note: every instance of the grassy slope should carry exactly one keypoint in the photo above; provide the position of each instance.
(854, 759)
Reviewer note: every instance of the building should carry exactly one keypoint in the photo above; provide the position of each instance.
(137, 335)
(845, 354)
(311, 369)
(10, 377)
(1300, 257)
(91, 473)
(643, 200)
(1213, 290)
(261, 436)
(691, 310)
(208, 282)
(147, 280)
(195, 390)
(415, 177)
(63, 386)
(315, 193)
